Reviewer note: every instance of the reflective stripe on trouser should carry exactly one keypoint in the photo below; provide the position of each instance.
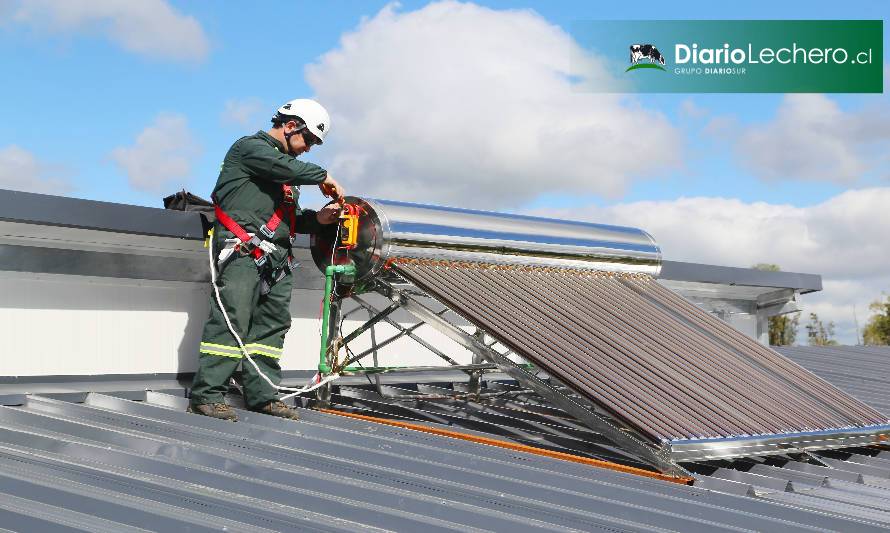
(263, 349)
(235, 351)
(262, 322)
(219, 349)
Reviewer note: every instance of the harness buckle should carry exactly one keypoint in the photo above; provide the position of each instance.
(261, 260)
(266, 231)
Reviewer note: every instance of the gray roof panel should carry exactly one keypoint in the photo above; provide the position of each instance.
(109, 455)
(861, 371)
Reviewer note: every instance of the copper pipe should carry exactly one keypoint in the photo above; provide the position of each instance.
(598, 463)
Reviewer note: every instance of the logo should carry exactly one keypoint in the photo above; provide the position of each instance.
(320, 127)
(731, 56)
(285, 106)
(638, 52)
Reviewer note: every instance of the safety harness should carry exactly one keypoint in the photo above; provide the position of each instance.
(257, 247)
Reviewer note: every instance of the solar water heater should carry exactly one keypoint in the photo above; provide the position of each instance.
(574, 311)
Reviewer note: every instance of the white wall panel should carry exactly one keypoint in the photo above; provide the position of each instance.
(79, 325)
(76, 325)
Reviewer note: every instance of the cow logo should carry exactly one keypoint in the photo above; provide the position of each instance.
(285, 106)
(638, 52)
(320, 126)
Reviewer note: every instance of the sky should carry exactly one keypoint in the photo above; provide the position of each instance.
(456, 103)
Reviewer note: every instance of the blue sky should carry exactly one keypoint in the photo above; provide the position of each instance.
(99, 96)
(83, 81)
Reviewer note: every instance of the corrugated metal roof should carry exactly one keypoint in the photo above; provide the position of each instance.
(852, 482)
(826, 481)
(861, 371)
(112, 464)
(102, 462)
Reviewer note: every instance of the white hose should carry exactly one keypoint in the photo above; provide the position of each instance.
(294, 392)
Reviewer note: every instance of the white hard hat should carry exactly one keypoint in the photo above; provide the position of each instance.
(313, 114)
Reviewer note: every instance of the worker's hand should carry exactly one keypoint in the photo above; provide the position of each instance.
(330, 188)
(328, 214)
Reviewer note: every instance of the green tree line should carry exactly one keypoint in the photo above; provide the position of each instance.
(877, 329)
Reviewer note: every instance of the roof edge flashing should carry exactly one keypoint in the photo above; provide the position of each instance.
(49, 210)
(725, 275)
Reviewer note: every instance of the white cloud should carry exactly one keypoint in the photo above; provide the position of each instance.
(242, 112)
(20, 170)
(162, 156)
(844, 239)
(149, 27)
(690, 110)
(812, 138)
(460, 104)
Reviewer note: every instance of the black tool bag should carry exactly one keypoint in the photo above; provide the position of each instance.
(186, 201)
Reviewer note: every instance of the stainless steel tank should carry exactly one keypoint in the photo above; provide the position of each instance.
(391, 230)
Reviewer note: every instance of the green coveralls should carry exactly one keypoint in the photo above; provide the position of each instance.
(248, 189)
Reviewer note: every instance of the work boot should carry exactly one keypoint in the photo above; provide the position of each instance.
(278, 408)
(214, 410)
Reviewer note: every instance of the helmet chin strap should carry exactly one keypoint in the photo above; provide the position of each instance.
(287, 137)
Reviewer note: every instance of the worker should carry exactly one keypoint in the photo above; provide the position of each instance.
(259, 182)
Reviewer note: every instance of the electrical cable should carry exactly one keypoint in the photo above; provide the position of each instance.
(333, 253)
(295, 392)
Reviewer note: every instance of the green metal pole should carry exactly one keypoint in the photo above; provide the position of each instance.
(329, 272)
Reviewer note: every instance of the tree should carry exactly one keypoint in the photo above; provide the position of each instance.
(877, 330)
(782, 328)
(820, 334)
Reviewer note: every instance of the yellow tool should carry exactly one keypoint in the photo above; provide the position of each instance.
(349, 224)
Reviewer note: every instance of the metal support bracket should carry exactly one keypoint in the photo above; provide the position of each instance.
(475, 384)
(381, 315)
(403, 332)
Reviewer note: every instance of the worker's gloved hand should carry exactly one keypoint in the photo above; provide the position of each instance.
(328, 214)
(330, 188)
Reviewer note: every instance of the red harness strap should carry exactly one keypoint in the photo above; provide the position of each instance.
(267, 229)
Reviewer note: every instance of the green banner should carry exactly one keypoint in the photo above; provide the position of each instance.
(730, 56)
